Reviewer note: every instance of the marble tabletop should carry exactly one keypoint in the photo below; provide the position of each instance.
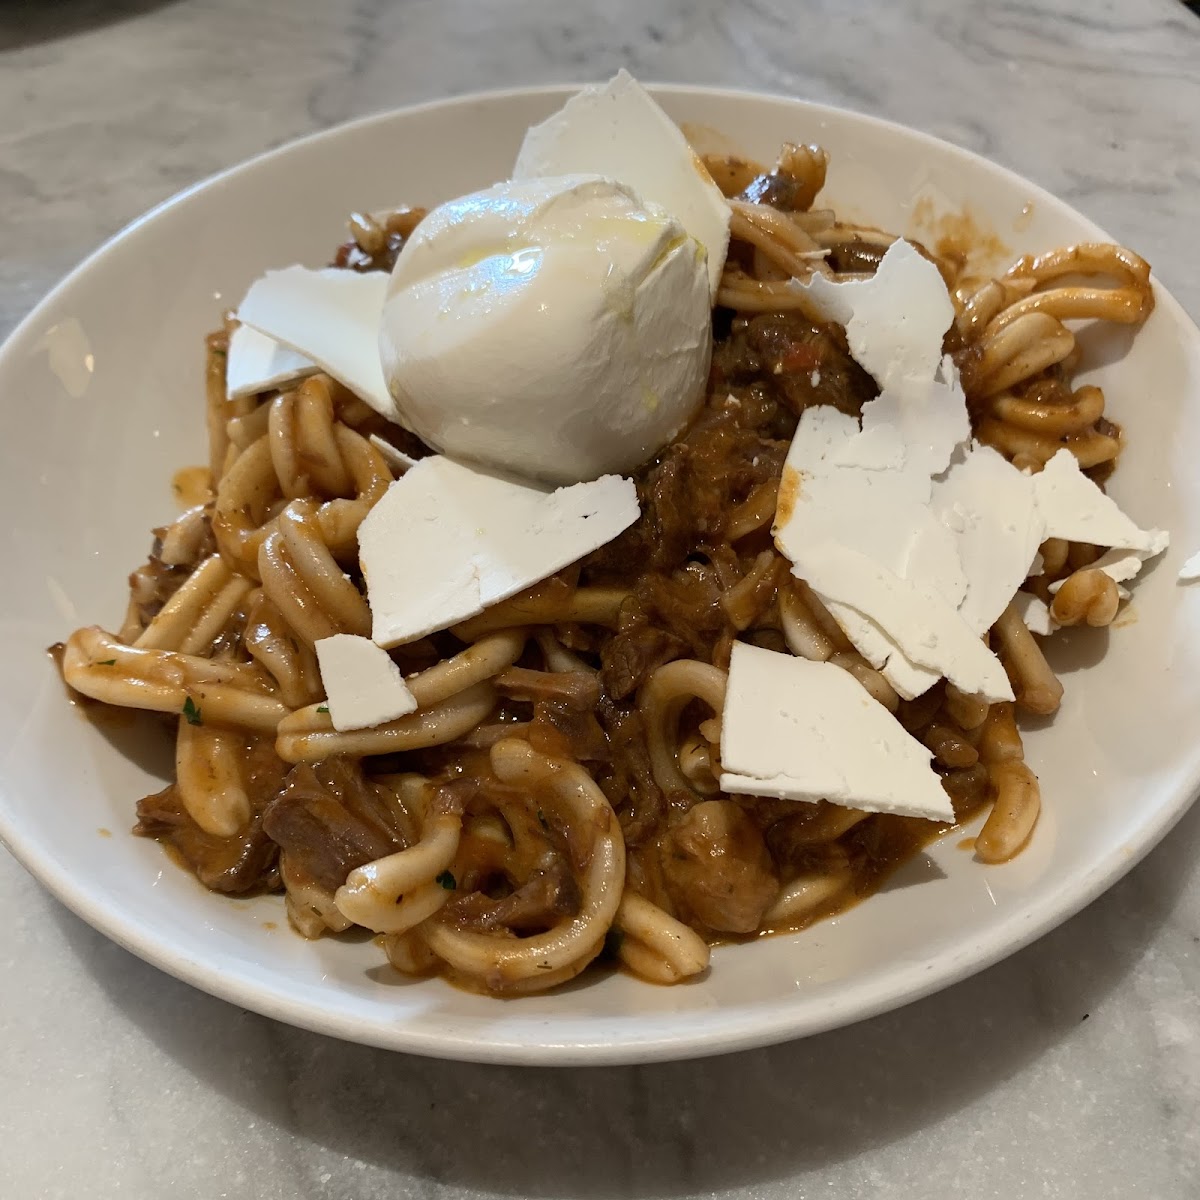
(1070, 1071)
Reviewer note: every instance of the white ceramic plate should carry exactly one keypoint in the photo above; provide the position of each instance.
(101, 402)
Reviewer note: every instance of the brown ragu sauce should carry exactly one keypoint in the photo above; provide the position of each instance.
(698, 575)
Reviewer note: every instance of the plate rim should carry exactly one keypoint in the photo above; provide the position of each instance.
(915, 980)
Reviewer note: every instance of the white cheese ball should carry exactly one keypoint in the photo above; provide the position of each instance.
(551, 329)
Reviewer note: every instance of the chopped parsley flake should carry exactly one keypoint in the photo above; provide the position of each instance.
(107, 662)
(447, 881)
(324, 708)
(193, 714)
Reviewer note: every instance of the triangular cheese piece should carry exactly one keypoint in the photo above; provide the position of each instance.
(445, 542)
(802, 730)
(330, 316)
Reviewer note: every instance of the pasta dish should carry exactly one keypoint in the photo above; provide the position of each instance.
(555, 798)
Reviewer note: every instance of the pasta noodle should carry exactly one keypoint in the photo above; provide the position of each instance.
(555, 797)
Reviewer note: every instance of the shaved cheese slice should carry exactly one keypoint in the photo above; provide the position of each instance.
(931, 414)
(802, 730)
(617, 130)
(990, 507)
(363, 686)
(915, 540)
(445, 542)
(895, 322)
(330, 316)
(1190, 571)
(908, 679)
(870, 545)
(833, 490)
(256, 363)
(926, 628)
(1118, 565)
(1035, 613)
(1073, 507)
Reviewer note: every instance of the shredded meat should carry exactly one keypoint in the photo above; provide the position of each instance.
(628, 659)
(718, 869)
(549, 895)
(245, 862)
(801, 364)
(626, 777)
(329, 819)
(238, 864)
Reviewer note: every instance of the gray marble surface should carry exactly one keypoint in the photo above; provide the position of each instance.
(1071, 1070)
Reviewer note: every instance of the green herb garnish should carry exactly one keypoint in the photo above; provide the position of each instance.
(107, 662)
(323, 708)
(193, 714)
(447, 881)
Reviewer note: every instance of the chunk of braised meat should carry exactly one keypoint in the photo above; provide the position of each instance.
(626, 777)
(549, 896)
(564, 723)
(234, 865)
(799, 835)
(634, 653)
(685, 604)
(877, 846)
(736, 443)
(804, 364)
(688, 495)
(329, 819)
(245, 862)
(718, 869)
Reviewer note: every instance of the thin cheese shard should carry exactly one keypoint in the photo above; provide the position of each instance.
(618, 130)
(363, 685)
(1119, 565)
(895, 322)
(869, 544)
(330, 316)
(922, 623)
(257, 363)
(1035, 613)
(1074, 508)
(913, 537)
(1190, 571)
(991, 508)
(445, 542)
(802, 730)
